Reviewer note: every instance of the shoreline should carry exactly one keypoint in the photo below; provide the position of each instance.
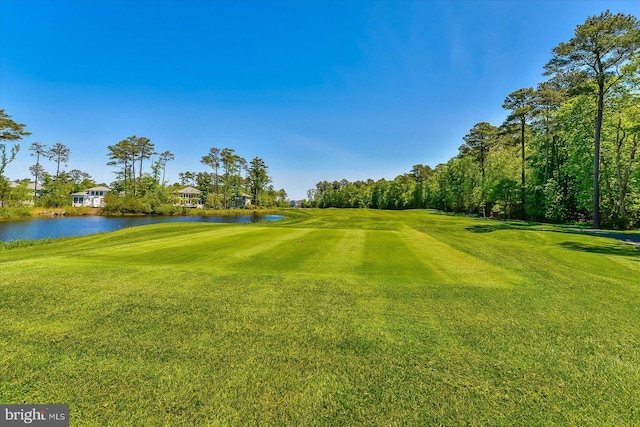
(26, 213)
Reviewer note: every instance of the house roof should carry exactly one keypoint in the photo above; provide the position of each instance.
(189, 190)
(31, 185)
(95, 189)
(98, 188)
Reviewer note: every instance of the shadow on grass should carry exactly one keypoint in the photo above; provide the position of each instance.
(626, 250)
(485, 228)
(502, 225)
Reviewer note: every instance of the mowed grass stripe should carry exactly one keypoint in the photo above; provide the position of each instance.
(339, 252)
(534, 253)
(145, 245)
(287, 253)
(452, 266)
(538, 257)
(164, 246)
(388, 259)
(261, 246)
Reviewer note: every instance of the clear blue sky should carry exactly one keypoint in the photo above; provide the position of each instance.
(321, 90)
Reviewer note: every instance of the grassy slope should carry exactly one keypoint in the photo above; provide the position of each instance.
(376, 318)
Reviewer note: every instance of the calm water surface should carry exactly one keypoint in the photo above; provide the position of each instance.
(42, 228)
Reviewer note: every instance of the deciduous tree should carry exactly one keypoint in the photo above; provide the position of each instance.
(9, 131)
(599, 49)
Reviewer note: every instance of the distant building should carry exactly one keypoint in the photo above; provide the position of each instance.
(92, 197)
(189, 198)
(243, 201)
(33, 193)
(295, 204)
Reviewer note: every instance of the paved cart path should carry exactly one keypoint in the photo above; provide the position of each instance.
(633, 239)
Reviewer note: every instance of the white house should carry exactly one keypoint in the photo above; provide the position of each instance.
(92, 197)
(189, 197)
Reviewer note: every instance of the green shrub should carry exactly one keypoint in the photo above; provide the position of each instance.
(15, 212)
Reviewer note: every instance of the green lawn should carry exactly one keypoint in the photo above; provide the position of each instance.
(332, 317)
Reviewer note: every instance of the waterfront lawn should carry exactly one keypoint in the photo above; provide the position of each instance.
(332, 317)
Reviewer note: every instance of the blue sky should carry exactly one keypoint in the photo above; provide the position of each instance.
(321, 90)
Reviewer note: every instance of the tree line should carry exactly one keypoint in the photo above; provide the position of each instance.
(232, 177)
(49, 189)
(566, 152)
(135, 189)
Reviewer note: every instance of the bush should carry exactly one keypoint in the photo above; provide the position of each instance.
(169, 210)
(15, 212)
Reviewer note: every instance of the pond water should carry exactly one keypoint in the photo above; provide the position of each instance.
(42, 228)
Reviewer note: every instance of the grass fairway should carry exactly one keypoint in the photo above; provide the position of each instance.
(332, 317)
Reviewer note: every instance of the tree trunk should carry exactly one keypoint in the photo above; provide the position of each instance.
(620, 137)
(546, 159)
(596, 156)
(624, 183)
(35, 187)
(524, 207)
(133, 174)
